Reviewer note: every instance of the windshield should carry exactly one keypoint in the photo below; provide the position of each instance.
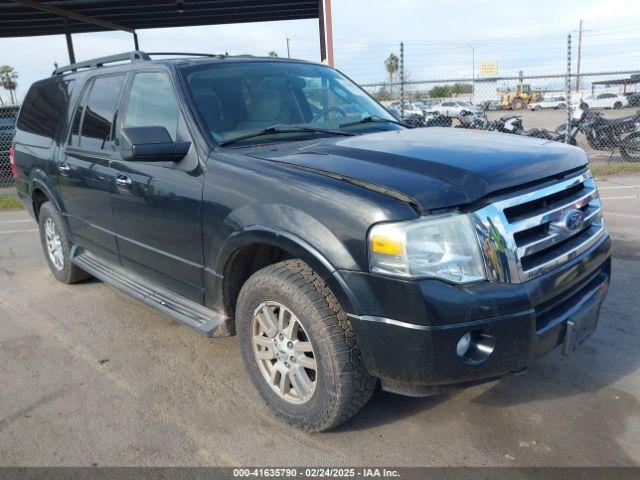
(237, 99)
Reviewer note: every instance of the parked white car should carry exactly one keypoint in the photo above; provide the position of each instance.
(607, 100)
(551, 102)
(453, 108)
(411, 109)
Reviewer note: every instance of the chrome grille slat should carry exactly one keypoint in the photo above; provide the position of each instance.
(550, 215)
(557, 236)
(564, 257)
(537, 194)
(528, 234)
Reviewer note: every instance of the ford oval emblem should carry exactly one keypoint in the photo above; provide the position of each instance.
(574, 219)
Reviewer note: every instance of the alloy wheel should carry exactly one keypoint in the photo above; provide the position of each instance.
(283, 352)
(54, 244)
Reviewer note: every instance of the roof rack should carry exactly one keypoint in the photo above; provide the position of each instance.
(186, 54)
(134, 56)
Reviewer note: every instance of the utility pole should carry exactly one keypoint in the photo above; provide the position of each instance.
(579, 55)
(288, 51)
(402, 79)
(567, 135)
(473, 72)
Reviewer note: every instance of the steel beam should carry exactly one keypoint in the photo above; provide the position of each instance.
(76, 16)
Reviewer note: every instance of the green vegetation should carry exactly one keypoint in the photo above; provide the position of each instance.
(446, 91)
(391, 64)
(382, 95)
(9, 80)
(9, 203)
(615, 168)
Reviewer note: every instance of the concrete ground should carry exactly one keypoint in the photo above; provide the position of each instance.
(89, 376)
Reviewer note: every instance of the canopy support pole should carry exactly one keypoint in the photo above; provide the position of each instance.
(323, 43)
(67, 34)
(329, 34)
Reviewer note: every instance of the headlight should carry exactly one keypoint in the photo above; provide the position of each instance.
(443, 246)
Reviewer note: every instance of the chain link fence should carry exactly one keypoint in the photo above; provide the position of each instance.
(8, 117)
(602, 109)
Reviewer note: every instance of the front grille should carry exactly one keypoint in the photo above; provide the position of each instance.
(534, 231)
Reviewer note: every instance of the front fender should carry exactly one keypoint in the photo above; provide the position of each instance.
(295, 232)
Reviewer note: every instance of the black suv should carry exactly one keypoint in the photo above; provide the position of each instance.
(275, 200)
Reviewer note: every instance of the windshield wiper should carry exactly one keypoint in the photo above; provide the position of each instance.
(373, 119)
(285, 129)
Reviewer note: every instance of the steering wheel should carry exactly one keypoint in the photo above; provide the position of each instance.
(328, 110)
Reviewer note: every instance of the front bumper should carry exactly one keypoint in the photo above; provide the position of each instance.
(409, 333)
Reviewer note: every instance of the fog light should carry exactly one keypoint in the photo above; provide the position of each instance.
(475, 347)
(463, 344)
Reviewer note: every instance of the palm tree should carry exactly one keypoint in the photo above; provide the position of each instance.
(392, 63)
(8, 79)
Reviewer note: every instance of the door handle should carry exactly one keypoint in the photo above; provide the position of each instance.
(63, 168)
(123, 181)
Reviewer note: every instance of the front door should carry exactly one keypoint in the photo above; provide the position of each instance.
(85, 180)
(158, 205)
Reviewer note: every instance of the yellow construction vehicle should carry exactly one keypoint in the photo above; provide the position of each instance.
(520, 98)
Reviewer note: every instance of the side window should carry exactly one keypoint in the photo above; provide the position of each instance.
(44, 108)
(97, 123)
(74, 140)
(152, 102)
(92, 125)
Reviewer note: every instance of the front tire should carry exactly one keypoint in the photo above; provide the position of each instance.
(56, 243)
(299, 349)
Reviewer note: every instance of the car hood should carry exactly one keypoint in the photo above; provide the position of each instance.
(435, 167)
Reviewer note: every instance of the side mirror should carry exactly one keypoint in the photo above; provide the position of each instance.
(151, 144)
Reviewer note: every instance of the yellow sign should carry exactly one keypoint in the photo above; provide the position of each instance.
(488, 69)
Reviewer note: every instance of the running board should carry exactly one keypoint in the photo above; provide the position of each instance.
(186, 311)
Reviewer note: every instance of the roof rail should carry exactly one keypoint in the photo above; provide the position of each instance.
(186, 54)
(134, 56)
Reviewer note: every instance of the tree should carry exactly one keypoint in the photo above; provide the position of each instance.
(9, 80)
(441, 91)
(273, 53)
(382, 95)
(392, 63)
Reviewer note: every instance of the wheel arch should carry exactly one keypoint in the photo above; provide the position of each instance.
(258, 246)
(42, 192)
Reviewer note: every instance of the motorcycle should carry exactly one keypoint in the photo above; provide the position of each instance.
(605, 133)
(473, 121)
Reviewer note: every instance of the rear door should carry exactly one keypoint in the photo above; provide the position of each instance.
(158, 205)
(85, 181)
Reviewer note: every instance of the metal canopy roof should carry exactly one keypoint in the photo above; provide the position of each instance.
(47, 17)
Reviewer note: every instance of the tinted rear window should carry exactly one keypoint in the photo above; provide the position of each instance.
(44, 108)
(93, 121)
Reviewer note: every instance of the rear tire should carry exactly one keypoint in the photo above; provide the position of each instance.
(630, 148)
(337, 383)
(617, 105)
(56, 243)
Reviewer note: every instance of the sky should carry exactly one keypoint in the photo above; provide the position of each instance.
(440, 38)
